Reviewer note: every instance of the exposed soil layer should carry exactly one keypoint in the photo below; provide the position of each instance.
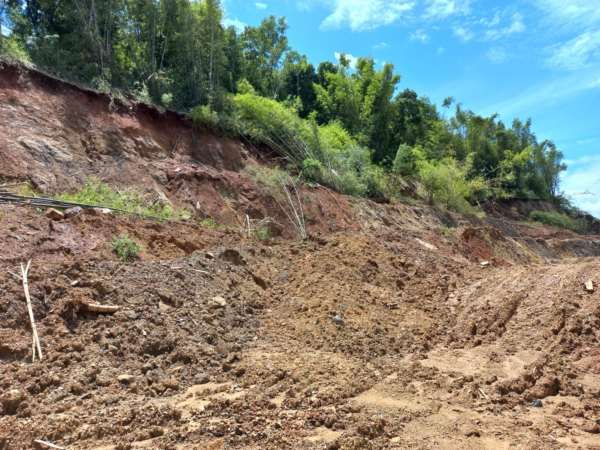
(392, 326)
(351, 340)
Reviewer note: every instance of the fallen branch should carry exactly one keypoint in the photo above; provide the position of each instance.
(102, 309)
(36, 340)
(48, 444)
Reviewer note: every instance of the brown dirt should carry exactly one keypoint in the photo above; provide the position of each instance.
(392, 326)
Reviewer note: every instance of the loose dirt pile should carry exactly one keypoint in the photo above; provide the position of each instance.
(351, 340)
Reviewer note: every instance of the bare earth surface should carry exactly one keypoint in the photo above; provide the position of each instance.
(392, 326)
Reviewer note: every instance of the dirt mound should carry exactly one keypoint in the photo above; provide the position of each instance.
(352, 340)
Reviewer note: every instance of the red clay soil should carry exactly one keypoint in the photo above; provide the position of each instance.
(392, 326)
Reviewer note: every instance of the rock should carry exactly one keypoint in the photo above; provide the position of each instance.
(546, 386)
(170, 383)
(218, 302)
(338, 320)
(72, 212)
(11, 400)
(99, 211)
(537, 403)
(589, 286)
(125, 378)
(591, 427)
(232, 256)
(54, 214)
(472, 432)
(484, 263)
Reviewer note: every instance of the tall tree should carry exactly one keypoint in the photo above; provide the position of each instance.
(264, 48)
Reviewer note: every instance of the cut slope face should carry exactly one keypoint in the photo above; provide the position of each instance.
(392, 326)
(56, 136)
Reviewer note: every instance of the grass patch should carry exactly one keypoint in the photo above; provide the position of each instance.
(210, 223)
(100, 194)
(262, 233)
(126, 249)
(560, 220)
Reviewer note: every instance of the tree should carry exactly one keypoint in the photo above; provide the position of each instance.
(263, 49)
(298, 77)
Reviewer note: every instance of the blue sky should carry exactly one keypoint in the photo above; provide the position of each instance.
(524, 58)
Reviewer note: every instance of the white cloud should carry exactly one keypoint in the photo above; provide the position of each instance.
(577, 52)
(419, 35)
(515, 26)
(353, 59)
(442, 9)
(496, 55)
(581, 183)
(236, 23)
(381, 46)
(361, 15)
(464, 34)
(579, 22)
(571, 14)
(547, 93)
(260, 5)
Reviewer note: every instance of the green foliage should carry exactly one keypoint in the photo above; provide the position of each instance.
(407, 160)
(12, 48)
(204, 117)
(126, 249)
(97, 193)
(262, 233)
(445, 183)
(269, 177)
(210, 223)
(345, 127)
(558, 219)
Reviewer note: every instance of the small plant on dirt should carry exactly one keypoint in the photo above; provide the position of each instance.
(96, 193)
(448, 231)
(560, 220)
(284, 190)
(209, 222)
(262, 233)
(126, 249)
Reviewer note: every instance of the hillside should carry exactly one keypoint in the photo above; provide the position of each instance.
(393, 325)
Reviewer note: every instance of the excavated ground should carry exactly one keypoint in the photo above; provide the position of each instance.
(392, 326)
(373, 339)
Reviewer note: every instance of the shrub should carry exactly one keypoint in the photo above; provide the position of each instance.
(445, 183)
(126, 249)
(96, 193)
(209, 222)
(325, 154)
(560, 220)
(204, 117)
(13, 49)
(268, 122)
(407, 160)
(262, 233)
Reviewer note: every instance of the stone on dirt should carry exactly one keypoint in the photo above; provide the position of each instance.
(589, 286)
(11, 400)
(125, 378)
(72, 212)
(54, 214)
(218, 302)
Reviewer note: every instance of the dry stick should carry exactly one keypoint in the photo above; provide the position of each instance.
(102, 309)
(248, 231)
(48, 444)
(36, 339)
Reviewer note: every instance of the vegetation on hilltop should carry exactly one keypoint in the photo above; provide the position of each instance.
(350, 128)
